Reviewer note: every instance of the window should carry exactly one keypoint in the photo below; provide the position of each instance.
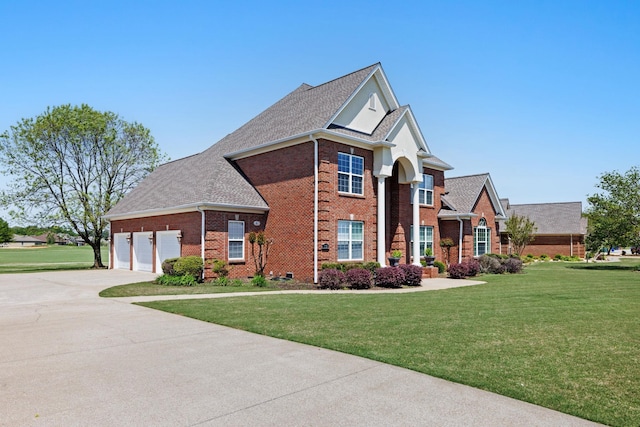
(236, 240)
(481, 239)
(350, 173)
(426, 238)
(425, 191)
(350, 240)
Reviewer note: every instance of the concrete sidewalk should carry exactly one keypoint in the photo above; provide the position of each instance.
(70, 358)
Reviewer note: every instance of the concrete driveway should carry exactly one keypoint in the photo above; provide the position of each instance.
(68, 357)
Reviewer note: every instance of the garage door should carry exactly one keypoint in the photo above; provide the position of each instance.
(167, 246)
(143, 251)
(122, 251)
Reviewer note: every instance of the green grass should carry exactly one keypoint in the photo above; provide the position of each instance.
(564, 336)
(47, 258)
(150, 288)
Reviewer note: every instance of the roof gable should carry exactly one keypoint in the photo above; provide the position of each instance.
(462, 194)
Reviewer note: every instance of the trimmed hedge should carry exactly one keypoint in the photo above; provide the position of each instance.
(331, 279)
(358, 278)
(189, 265)
(389, 277)
(412, 274)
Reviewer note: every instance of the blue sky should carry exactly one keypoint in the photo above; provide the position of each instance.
(544, 95)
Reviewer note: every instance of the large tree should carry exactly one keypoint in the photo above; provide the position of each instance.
(5, 232)
(614, 212)
(521, 231)
(71, 164)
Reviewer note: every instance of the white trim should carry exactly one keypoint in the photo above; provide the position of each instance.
(412, 123)
(191, 207)
(229, 240)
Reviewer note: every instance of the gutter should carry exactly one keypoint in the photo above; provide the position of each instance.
(187, 208)
(315, 208)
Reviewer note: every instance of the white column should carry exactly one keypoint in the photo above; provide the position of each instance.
(416, 224)
(381, 221)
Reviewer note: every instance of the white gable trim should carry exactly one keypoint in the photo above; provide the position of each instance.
(495, 200)
(382, 81)
(408, 114)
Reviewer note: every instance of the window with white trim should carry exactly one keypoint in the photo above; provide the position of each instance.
(426, 239)
(350, 240)
(481, 238)
(236, 240)
(350, 173)
(425, 190)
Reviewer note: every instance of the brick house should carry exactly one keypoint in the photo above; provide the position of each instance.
(334, 172)
(329, 172)
(561, 228)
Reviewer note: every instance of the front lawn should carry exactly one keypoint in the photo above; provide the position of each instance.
(151, 288)
(49, 257)
(562, 335)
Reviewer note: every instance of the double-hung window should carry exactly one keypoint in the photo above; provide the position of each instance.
(426, 238)
(350, 173)
(350, 240)
(481, 238)
(236, 240)
(425, 190)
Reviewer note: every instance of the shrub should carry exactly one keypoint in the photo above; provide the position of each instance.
(473, 267)
(558, 257)
(220, 268)
(412, 274)
(491, 265)
(544, 257)
(513, 265)
(458, 270)
(331, 279)
(184, 280)
(371, 266)
(332, 266)
(222, 281)
(389, 277)
(191, 265)
(259, 281)
(167, 266)
(441, 266)
(358, 278)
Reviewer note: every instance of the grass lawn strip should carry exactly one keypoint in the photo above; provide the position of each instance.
(48, 258)
(564, 336)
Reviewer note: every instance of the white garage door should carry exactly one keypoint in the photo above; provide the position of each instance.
(143, 251)
(122, 251)
(167, 246)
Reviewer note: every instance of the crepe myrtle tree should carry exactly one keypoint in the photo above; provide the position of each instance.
(521, 231)
(71, 164)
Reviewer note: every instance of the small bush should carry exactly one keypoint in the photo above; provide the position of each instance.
(189, 265)
(331, 279)
(458, 270)
(371, 266)
(558, 257)
(490, 265)
(259, 281)
(441, 266)
(358, 278)
(473, 267)
(513, 265)
(412, 274)
(184, 280)
(389, 277)
(544, 257)
(222, 281)
(167, 266)
(220, 268)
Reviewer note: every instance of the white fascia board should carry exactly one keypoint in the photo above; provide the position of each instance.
(306, 137)
(386, 89)
(495, 200)
(414, 124)
(457, 216)
(436, 166)
(192, 207)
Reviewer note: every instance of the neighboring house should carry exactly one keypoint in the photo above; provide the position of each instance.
(561, 228)
(20, 241)
(471, 215)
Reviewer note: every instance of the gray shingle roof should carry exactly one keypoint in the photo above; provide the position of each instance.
(462, 192)
(208, 177)
(552, 218)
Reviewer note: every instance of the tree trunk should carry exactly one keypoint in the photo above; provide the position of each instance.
(97, 255)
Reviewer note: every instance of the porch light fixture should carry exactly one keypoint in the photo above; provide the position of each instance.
(179, 236)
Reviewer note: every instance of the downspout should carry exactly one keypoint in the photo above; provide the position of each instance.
(201, 236)
(460, 240)
(315, 208)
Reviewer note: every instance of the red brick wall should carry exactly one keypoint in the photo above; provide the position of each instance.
(552, 246)
(429, 214)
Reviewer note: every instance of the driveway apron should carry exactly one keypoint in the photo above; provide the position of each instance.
(71, 358)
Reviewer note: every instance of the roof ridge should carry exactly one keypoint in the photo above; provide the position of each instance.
(342, 77)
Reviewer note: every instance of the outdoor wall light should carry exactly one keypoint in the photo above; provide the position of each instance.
(150, 237)
(128, 237)
(325, 247)
(179, 236)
